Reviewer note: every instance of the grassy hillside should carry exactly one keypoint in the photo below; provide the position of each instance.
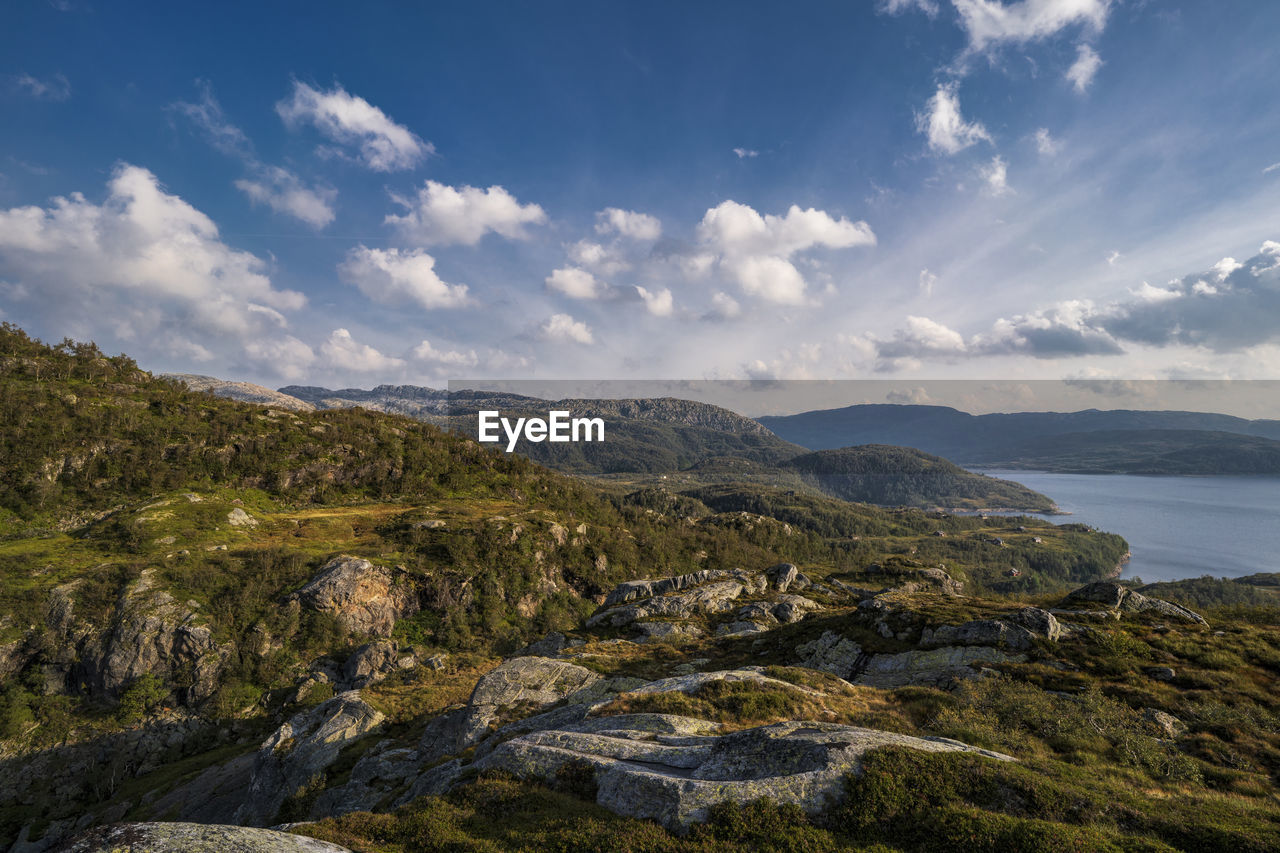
(902, 476)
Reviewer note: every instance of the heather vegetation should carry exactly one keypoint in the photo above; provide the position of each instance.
(165, 631)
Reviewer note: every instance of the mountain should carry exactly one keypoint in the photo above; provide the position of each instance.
(1026, 439)
(902, 476)
(702, 444)
(1153, 451)
(244, 391)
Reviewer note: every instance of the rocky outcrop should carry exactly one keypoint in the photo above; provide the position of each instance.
(196, 838)
(152, 633)
(1119, 597)
(832, 653)
(930, 668)
(674, 776)
(363, 597)
(246, 392)
(707, 599)
(782, 576)
(538, 681)
(657, 632)
(1017, 631)
(373, 662)
(294, 758)
(695, 681)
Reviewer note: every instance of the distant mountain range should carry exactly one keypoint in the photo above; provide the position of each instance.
(1092, 441)
(651, 440)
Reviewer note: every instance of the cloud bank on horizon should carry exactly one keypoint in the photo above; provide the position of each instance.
(913, 188)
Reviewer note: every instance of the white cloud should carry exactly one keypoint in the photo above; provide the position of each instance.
(921, 337)
(1113, 256)
(283, 192)
(926, 282)
(945, 127)
(1082, 71)
(725, 306)
(897, 7)
(575, 283)
(284, 356)
(996, 177)
(744, 153)
(391, 275)
(444, 215)
(346, 119)
(144, 266)
(737, 229)
(425, 352)
(628, 223)
(343, 352)
(756, 250)
(1226, 267)
(605, 260)
(1045, 143)
(659, 303)
(1149, 293)
(55, 88)
(562, 327)
(207, 115)
(991, 23)
(1268, 170)
(772, 278)
(278, 188)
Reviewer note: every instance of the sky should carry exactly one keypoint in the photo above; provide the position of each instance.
(355, 194)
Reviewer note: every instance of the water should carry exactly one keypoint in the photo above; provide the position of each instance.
(1177, 527)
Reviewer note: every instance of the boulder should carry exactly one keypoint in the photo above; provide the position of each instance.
(637, 589)
(693, 681)
(673, 778)
(296, 755)
(930, 668)
(196, 838)
(361, 595)
(716, 597)
(535, 680)
(832, 653)
(1165, 723)
(657, 632)
(373, 662)
(1119, 597)
(782, 576)
(239, 518)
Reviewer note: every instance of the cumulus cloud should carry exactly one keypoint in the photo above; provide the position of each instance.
(351, 121)
(1231, 307)
(628, 223)
(756, 250)
(725, 306)
(601, 259)
(745, 153)
(428, 354)
(659, 303)
(944, 126)
(1082, 71)
(278, 188)
(284, 192)
(562, 327)
(144, 266)
(395, 275)
(54, 88)
(995, 177)
(897, 7)
(443, 215)
(284, 356)
(343, 352)
(992, 23)
(575, 283)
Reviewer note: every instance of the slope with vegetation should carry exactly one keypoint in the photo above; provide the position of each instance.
(217, 612)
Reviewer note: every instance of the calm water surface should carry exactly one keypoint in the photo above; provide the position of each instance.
(1177, 527)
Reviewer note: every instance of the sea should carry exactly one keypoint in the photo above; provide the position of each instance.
(1177, 527)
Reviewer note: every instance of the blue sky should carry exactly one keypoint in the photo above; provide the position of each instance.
(351, 194)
